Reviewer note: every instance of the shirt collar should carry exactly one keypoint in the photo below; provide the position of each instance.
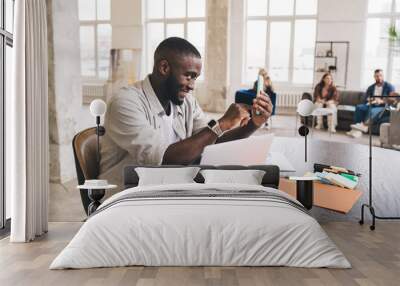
(153, 99)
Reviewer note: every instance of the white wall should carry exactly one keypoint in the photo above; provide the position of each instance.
(344, 20)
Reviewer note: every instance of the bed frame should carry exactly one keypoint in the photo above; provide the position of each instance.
(270, 179)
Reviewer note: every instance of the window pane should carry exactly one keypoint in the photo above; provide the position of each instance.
(304, 43)
(397, 5)
(8, 83)
(155, 9)
(197, 35)
(175, 30)
(3, 138)
(379, 6)
(306, 7)
(281, 7)
(103, 49)
(376, 49)
(88, 66)
(155, 34)
(255, 48)
(9, 15)
(279, 51)
(175, 8)
(87, 10)
(103, 9)
(196, 8)
(257, 7)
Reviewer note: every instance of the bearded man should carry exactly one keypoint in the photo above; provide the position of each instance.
(158, 120)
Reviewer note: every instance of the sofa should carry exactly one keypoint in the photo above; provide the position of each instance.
(347, 105)
(390, 132)
(246, 96)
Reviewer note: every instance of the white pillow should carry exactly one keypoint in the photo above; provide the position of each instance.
(248, 177)
(163, 176)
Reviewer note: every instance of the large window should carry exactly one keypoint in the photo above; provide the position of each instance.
(6, 44)
(169, 18)
(380, 52)
(95, 38)
(280, 36)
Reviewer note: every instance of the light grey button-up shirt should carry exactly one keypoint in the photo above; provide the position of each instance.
(133, 129)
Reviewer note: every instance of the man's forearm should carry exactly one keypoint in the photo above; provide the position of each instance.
(238, 133)
(188, 150)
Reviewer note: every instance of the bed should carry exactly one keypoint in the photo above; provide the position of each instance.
(201, 224)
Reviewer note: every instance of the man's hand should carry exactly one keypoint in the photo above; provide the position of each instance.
(261, 109)
(235, 115)
(376, 101)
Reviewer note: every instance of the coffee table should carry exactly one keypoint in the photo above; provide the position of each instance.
(321, 111)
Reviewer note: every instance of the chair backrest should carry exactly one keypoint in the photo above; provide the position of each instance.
(85, 154)
(394, 131)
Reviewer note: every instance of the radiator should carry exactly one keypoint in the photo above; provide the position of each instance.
(92, 91)
(288, 98)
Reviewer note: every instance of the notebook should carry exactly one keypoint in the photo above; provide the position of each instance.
(248, 151)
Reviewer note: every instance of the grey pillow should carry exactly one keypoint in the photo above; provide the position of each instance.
(248, 177)
(163, 176)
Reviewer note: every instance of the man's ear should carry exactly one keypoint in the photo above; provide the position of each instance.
(164, 68)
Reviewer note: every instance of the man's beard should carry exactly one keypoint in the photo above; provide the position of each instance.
(173, 88)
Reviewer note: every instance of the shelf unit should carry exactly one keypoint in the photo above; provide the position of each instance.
(333, 57)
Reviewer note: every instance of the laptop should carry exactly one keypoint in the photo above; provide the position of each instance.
(249, 151)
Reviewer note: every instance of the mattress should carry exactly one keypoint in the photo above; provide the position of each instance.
(200, 225)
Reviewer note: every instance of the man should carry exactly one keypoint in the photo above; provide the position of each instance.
(158, 121)
(361, 116)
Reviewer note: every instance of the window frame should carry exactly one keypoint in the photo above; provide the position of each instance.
(182, 20)
(273, 19)
(6, 39)
(392, 16)
(95, 24)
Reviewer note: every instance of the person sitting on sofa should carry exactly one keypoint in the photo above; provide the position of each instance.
(326, 95)
(379, 88)
(268, 88)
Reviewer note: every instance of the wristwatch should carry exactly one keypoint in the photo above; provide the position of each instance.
(214, 127)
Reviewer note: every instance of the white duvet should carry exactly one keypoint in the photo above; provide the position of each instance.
(188, 231)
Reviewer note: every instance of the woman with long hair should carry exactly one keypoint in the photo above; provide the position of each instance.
(326, 95)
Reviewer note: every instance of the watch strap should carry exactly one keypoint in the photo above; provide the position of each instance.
(216, 129)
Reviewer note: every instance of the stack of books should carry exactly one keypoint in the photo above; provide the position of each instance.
(337, 176)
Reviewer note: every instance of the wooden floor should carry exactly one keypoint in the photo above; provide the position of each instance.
(375, 257)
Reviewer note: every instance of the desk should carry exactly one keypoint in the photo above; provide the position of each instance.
(326, 196)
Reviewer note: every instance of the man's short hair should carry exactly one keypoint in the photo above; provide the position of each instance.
(378, 71)
(174, 46)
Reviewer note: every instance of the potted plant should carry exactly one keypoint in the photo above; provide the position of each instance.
(393, 36)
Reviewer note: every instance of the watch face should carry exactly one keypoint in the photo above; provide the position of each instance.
(212, 123)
